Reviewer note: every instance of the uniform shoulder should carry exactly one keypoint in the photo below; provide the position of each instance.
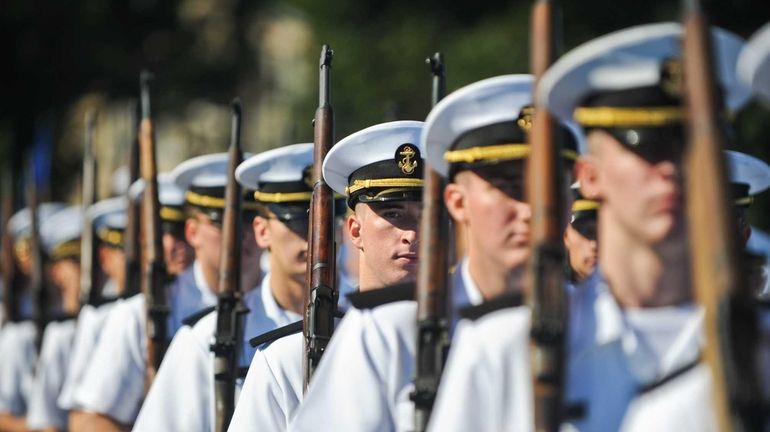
(503, 302)
(268, 338)
(381, 296)
(193, 319)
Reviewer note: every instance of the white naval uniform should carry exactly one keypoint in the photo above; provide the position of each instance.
(189, 365)
(17, 361)
(50, 370)
(113, 384)
(369, 365)
(90, 322)
(276, 369)
(614, 355)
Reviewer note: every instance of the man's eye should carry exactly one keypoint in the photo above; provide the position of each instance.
(393, 214)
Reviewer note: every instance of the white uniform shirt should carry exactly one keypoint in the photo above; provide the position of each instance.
(189, 365)
(277, 370)
(369, 366)
(614, 354)
(89, 325)
(17, 361)
(114, 381)
(55, 353)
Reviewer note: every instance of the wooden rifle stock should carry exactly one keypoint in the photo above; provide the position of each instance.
(154, 269)
(545, 279)
(37, 275)
(230, 310)
(730, 321)
(11, 279)
(432, 279)
(321, 300)
(89, 289)
(132, 236)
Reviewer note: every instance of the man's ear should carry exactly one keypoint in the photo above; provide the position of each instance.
(353, 225)
(456, 202)
(587, 173)
(191, 232)
(261, 232)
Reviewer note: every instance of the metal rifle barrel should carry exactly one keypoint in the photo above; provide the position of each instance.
(132, 237)
(432, 278)
(228, 332)
(321, 300)
(545, 281)
(154, 270)
(89, 290)
(730, 315)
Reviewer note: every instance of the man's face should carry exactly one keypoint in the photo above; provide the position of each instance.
(65, 274)
(205, 237)
(113, 263)
(489, 203)
(177, 254)
(287, 243)
(644, 198)
(387, 234)
(581, 247)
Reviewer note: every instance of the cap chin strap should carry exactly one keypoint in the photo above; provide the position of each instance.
(497, 152)
(383, 183)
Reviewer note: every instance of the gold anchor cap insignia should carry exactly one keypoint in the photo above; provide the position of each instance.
(406, 156)
(525, 118)
(672, 77)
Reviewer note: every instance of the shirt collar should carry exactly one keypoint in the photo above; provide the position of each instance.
(207, 294)
(471, 290)
(272, 309)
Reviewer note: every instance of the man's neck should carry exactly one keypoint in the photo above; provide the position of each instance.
(210, 276)
(287, 291)
(642, 275)
(492, 280)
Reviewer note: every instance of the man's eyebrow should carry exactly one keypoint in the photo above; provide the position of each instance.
(388, 206)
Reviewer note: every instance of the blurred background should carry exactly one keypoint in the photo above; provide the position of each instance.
(63, 58)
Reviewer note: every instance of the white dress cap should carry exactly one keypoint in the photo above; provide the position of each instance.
(64, 226)
(754, 63)
(632, 58)
(378, 143)
(279, 165)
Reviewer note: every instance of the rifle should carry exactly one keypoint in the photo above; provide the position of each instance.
(154, 268)
(89, 289)
(730, 321)
(545, 279)
(432, 280)
(132, 236)
(321, 299)
(230, 309)
(37, 275)
(11, 276)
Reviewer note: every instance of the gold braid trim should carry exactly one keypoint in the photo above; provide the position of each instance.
(280, 197)
(171, 214)
(66, 250)
(383, 183)
(744, 201)
(497, 152)
(111, 237)
(624, 117)
(204, 200)
(584, 204)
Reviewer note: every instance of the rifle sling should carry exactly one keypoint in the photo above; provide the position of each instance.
(503, 302)
(274, 335)
(378, 297)
(194, 318)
